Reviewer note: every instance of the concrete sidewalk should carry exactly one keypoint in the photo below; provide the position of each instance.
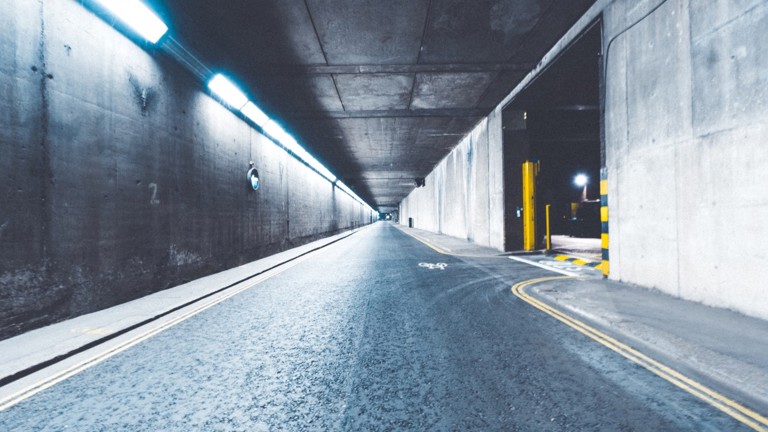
(449, 245)
(720, 348)
(37, 347)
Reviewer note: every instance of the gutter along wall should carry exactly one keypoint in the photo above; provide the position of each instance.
(121, 177)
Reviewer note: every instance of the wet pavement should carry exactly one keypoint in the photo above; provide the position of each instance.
(375, 332)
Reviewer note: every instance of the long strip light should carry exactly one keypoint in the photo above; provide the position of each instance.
(231, 95)
(223, 88)
(351, 193)
(254, 114)
(277, 133)
(141, 19)
(138, 17)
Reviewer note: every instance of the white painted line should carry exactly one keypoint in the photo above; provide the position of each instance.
(545, 267)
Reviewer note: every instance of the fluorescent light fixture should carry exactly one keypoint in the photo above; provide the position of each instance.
(255, 114)
(344, 187)
(354, 196)
(291, 144)
(314, 163)
(227, 92)
(277, 133)
(138, 17)
(349, 191)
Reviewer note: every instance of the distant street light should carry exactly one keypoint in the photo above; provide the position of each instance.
(581, 180)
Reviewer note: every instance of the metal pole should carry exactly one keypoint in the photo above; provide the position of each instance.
(549, 233)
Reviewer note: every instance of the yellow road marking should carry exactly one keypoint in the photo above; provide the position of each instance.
(426, 242)
(54, 379)
(573, 260)
(724, 404)
(443, 251)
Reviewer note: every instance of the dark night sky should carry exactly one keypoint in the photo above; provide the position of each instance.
(563, 123)
(566, 143)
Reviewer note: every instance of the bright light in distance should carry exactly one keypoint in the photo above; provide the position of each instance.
(255, 114)
(580, 180)
(138, 17)
(226, 91)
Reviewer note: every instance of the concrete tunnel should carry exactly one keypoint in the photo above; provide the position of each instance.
(142, 154)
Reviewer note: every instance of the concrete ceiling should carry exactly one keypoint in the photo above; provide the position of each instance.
(378, 90)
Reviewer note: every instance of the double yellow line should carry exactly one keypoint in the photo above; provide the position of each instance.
(724, 404)
(58, 377)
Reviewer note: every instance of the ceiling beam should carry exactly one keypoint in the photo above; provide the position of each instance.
(392, 68)
(444, 112)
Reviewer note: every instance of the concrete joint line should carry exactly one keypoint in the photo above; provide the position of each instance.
(734, 409)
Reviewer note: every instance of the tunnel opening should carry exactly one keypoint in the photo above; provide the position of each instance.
(556, 123)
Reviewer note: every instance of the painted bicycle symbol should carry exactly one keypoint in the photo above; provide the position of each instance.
(433, 266)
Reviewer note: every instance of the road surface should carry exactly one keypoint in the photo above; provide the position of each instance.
(370, 333)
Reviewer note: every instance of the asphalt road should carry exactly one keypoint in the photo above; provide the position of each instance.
(360, 337)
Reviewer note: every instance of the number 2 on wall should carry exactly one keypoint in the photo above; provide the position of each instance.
(153, 200)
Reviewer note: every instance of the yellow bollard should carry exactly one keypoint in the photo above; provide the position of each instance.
(530, 170)
(549, 233)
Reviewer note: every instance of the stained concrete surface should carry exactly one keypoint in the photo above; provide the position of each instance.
(121, 177)
(378, 343)
(685, 144)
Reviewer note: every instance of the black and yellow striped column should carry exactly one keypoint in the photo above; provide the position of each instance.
(605, 266)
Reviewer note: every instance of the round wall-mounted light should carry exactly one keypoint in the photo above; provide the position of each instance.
(253, 177)
(580, 180)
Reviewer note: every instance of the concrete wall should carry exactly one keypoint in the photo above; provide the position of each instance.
(686, 134)
(121, 177)
(463, 196)
(686, 128)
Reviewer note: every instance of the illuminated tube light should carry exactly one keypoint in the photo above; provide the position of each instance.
(325, 172)
(349, 191)
(354, 196)
(254, 114)
(227, 92)
(276, 132)
(138, 17)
